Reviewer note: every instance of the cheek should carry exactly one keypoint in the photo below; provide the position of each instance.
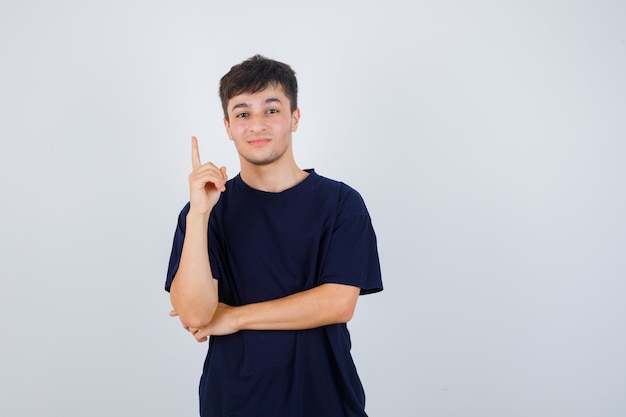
(238, 129)
(284, 126)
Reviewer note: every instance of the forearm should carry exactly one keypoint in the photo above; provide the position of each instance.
(319, 306)
(193, 292)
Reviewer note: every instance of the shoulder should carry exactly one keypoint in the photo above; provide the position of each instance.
(349, 200)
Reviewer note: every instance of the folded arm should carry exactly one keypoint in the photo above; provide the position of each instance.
(319, 306)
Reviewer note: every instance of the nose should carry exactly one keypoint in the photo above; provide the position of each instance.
(256, 124)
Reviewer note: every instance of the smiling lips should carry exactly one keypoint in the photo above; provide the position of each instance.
(258, 141)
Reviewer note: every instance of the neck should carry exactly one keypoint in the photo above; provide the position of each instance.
(271, 178)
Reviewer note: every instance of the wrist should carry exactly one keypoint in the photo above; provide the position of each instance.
(239, 317)
(195, 219)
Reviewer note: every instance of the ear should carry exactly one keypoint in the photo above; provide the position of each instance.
(295, 119)
(227, 127)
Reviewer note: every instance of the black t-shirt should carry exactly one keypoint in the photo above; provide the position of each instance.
(264, 246)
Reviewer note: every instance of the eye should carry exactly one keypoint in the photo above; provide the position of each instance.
(241, 115)
(272, 111)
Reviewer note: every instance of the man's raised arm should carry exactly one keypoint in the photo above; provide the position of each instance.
(194, 291)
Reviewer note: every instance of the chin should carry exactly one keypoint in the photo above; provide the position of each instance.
(270, 159)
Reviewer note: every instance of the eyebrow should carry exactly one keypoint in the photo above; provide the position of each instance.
(247, 105)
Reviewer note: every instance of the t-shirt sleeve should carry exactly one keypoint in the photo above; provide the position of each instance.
(352, 257)
(177, 247)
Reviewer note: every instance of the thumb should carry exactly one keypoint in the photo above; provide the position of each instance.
(224, 177)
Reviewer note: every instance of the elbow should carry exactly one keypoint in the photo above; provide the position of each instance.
(195, 306)
(197, 319)
(346, 313)
(194, 316)
(344, 298)
(346, 307)
(195, 322)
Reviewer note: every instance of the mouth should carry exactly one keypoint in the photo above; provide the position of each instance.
(258, 141)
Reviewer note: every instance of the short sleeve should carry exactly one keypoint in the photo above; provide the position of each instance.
(177, 247)
(352, 256)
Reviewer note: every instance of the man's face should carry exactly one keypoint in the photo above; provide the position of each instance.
(261, 125)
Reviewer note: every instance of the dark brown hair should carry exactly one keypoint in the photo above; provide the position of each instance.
(255, 74)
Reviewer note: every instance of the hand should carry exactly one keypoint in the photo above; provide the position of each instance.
(223, 323)
(192, 330)
(173, 313)
(206, 182)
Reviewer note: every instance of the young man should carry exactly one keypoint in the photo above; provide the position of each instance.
(268, 266)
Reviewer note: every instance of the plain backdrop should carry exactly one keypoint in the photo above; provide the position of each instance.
(486, 137)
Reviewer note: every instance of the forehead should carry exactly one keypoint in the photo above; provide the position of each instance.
(272, 93)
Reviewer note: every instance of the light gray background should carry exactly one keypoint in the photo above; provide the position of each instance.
(487, 138)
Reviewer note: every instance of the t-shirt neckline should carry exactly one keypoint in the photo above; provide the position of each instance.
(268, 194)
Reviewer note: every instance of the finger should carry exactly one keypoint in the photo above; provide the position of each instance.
(200, 336)
(201, 178)
(195, 153)
(224, 178)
